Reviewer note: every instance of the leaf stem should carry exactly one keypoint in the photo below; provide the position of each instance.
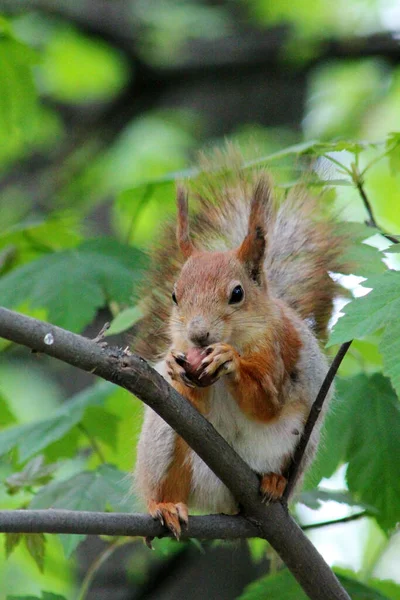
(358, 181)
(95, 446)
(347, 519)
(339, 164)
(97, 564)
(316, 408)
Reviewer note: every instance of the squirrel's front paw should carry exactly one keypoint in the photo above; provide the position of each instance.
(221, 359)
(176, 362)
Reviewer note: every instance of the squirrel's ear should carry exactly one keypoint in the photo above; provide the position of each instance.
(182, 232)
(252, 250)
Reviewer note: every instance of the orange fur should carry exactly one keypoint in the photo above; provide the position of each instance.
(257, 382)
(196, 396)
(253, 385)
(169, 501)
(175, 486)
(290, 343)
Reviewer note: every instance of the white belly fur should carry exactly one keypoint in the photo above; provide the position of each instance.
(262, 446)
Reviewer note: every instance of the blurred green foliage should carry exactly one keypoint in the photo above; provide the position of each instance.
(65, 186)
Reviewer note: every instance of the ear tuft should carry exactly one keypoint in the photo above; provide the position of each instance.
(182, 232)
(252, 250)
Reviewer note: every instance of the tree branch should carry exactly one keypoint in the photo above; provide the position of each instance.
(134, 374)
(312, 418)
(210, 527)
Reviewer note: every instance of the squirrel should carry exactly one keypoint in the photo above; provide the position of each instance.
(237, 309)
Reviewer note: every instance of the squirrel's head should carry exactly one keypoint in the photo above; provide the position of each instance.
(220, 296)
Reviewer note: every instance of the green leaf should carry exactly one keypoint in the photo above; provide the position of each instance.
(34, 437)
(312, 147)
(93, 274)
(359, 591)
(314, 498)
(18, 98)
(6, 416)
(365, 260)
(90, 490)
(36, 472)
(68, 58)
(393, 149)
(283, 585)
(387, 587)
(380, 308)
(101, 424)
(36, 544)
(363, 430)
(44, 596)
(124, 320)
(11, 542)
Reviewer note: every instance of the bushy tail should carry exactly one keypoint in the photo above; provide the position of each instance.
(302, 249)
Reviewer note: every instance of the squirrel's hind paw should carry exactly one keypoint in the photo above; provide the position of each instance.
(272, 486)
(170, 515)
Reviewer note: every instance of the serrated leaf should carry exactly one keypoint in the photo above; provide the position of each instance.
(124, 320)
(312, 147)
(36, 545)
(72, 285)
(33, 237)
(314, 498)
(11, 542)
(380, 308)
(395, 248)
(363, 430)
(364, 259)
(90, 490)
(34, 437)
(36, 472)
(284, 585)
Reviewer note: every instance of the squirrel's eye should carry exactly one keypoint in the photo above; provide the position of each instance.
(174, 298)
(237, 295)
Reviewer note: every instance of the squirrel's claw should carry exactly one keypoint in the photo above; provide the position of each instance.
(272, 486)
(170, 515)
(220, 359)
(175, 370)
(179, 357)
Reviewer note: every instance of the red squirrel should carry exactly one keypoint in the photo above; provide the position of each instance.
(236, 310)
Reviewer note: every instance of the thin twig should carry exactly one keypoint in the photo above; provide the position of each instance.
(97, 564)
(93, 443)
(312, 418)
(371, 219)
(100, 336)
(347, 519)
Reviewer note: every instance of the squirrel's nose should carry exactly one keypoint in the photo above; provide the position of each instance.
(198, 331)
